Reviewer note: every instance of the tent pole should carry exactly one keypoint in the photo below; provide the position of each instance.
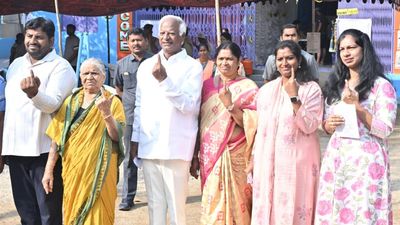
(21, 27)
(218, 22)
(108, 50)
(59, 28)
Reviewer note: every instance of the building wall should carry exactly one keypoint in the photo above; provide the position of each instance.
(238, 18)
(269, 20)
(382, 26)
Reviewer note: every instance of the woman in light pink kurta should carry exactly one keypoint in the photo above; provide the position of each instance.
(286, 152)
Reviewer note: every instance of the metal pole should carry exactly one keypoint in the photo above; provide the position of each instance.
(108, 50)
(59, 28)
(108, 40)
(218, 22)
(21, 27)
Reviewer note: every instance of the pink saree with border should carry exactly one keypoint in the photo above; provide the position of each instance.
(224, 153)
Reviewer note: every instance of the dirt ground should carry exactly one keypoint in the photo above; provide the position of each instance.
(138, 215)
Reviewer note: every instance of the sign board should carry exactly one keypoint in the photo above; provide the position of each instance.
(124, 23)
(346, 12)
(396, 43)
(364, 25)
(313, 42)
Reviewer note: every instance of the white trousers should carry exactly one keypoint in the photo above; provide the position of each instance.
(167, 183)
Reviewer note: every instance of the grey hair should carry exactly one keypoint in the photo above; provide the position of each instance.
(95, 62)
(180, 21)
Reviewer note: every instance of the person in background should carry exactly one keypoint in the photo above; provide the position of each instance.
(71, 46)
(321, 26)
(226, 37)
(354, 183)
(87, 133)
(37, 83)
(298, 25)
(202, 39)
(125, 85)
(166, 122)
(206, 62)
(188, 44)
(286, 152)
(18, 48)
(227, 128)
(290, 32)
(154, 44)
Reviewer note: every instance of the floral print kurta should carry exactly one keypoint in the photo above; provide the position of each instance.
(354, 180)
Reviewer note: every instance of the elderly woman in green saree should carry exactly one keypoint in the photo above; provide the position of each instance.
(87, 134)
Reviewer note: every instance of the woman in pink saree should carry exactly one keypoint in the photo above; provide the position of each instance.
(227, 129)
(286, 150)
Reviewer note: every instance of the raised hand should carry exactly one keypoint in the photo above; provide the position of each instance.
(103, 103)
(291, 86)
(225, 96)
(30, 85)
(159, 70)
(349, 95)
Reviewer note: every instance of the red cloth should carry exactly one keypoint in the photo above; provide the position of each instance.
(99, 7)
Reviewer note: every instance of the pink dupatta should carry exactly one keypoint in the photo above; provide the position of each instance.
(264, 190)
(217, 126)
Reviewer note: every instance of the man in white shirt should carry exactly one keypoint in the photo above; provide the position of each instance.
(166, 122)
(37, 83)
(290, 32)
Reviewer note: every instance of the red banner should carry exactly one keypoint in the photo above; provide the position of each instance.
(124, 23)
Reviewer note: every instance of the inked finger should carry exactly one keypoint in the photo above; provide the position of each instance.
(103, 92)
(159, 59)
(293, 74)
(32, 74)
(225, 86)
(346, 84)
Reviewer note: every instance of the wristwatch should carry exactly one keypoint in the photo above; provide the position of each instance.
(294, 99)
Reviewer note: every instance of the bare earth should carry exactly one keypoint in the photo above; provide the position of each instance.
(138, 215)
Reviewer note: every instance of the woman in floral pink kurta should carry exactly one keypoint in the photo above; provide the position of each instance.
(287, 153)
(354, 184)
